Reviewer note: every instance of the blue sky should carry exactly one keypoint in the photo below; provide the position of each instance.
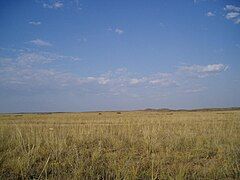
(84, 55)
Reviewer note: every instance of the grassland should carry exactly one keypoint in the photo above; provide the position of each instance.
(130, 145)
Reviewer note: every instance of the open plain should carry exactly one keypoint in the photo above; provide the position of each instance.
(121, 145)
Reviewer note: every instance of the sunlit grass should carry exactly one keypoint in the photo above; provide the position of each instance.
(130, 145)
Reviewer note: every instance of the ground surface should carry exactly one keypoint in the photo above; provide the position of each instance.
(130, 145)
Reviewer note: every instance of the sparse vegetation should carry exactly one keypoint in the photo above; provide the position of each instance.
(135, 145)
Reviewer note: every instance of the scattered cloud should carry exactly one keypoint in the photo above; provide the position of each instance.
(54, 5)
(162, 82)
(82, 39)
(36, 70)
(232, 8)
(237, 21)
(28, 70)
(60, 4)
(195, 90)
(135, 81)
(198, 1)
(210, 14)
(77, 4)
(162, 25)
(109, 29)
(103, 80)
(162, 79)
(203, 71)
(29, 58)
(39, 42)
(35, 23)
(119, 31)
(232, 13)
(121, 70)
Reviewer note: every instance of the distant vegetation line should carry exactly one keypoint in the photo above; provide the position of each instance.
(147, 109)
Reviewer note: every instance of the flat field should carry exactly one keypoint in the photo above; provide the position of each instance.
(126, 145)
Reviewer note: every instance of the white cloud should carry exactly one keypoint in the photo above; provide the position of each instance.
(78, 5)
(39, 42)
(237, 21)
(203, 71)
(54, 5)
(210, 14)
(232, 8)
(135, 81)
(119, 31)
(233, 13)
(28, 70)
(103, 80)
(82, 39)
(198, 1)
(162, 79)
(35, 23)
(27, 58)
(195, 90)
(159, 79)
(116, 30)
(121, 70)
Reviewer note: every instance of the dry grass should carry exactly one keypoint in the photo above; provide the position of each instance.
(130, 145)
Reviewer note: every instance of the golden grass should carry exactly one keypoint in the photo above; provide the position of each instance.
(130, 145)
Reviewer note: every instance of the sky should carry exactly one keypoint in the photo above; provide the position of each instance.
(91, 55)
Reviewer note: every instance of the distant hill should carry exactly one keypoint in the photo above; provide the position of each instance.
(201, 109)
(162, 110)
